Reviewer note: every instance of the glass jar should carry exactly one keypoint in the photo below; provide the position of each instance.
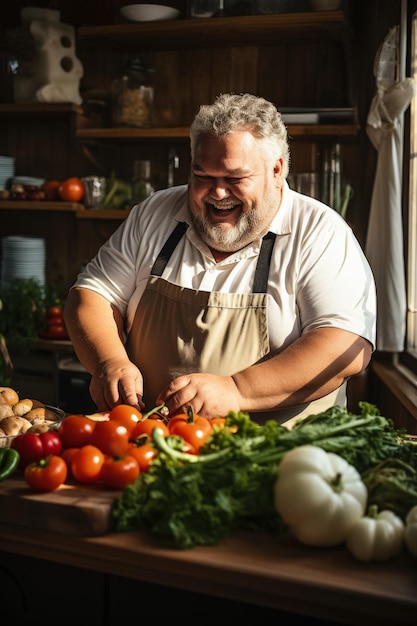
(132, 95)
(141, 184)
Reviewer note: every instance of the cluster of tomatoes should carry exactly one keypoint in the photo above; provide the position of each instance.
(111, 450)
(70, 189)
(54, 324)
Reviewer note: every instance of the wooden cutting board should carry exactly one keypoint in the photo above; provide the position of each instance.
(72, 509)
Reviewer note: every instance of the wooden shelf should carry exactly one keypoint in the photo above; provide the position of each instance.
(34, 205)
(135, 134)
(79, 210)
(220, 32)
(102, 214)
(311, 131)
(27, 110)
(43, 110)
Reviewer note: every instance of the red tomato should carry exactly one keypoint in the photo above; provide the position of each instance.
(86, 464)
(119, 471)
(126, 415)
(54, 312)
(50, 189)
(75, 431)
(68, 455)
(143, 452)
(188, 448)
(51, 442)
(57, 331)
(29, 447)
(35, 446)
(71, 190)
(46, 474)
(146, 427)
(195, 429)
(111, 438)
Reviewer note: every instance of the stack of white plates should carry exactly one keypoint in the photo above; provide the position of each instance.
(28, 180)
(6, 170)
(22, 257)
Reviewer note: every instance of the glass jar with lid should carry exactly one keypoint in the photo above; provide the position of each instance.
(132, 95)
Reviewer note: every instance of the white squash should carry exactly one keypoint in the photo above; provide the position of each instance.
(378, 536)
(318, 495)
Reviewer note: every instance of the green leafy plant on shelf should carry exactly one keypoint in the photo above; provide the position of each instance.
(23, 308)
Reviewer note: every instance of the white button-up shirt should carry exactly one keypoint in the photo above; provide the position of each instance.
(318, 277)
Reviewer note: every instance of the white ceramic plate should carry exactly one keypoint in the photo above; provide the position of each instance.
(148, 12)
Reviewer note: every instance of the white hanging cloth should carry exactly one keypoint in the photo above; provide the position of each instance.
(384, 244)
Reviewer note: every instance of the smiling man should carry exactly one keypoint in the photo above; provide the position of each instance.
(230, 293)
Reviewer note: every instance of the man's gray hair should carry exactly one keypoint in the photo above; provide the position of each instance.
(235, 112)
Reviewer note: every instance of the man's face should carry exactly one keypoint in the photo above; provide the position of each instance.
(233, 193)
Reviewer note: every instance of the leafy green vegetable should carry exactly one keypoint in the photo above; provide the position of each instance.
(197, 500)
(392, 485)
(23, 306)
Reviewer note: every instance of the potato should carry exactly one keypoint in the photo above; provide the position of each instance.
(8, 396)
(39, 427)
(15, 425)
(5, 411)
(22, 407)
(36, 414)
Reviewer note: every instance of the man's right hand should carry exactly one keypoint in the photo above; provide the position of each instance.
(117, 381)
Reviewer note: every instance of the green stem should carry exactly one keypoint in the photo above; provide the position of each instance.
(162, 445)
(152, 412)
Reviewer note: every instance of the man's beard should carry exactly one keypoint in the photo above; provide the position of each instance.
(251, 224)
(228, 239)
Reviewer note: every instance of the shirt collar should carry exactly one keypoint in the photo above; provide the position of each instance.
(280, 225)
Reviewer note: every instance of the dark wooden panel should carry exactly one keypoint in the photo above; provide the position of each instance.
(273, 74)
(220, 72)
(244, 74)
(200, 64)
(24, 580)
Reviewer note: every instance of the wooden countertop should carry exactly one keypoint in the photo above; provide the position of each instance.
(257, 569)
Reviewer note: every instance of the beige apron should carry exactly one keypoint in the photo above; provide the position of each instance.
(178, 330)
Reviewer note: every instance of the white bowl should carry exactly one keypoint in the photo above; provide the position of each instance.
(148, 12)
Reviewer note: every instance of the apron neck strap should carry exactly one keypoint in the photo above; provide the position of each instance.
(168, 248)
(260, 281)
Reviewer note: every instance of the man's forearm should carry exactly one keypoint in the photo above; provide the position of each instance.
(95, 328)
(310, 368)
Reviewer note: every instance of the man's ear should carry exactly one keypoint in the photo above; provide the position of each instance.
(278, 169)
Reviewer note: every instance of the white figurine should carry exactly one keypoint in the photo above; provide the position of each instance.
(52, 72)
